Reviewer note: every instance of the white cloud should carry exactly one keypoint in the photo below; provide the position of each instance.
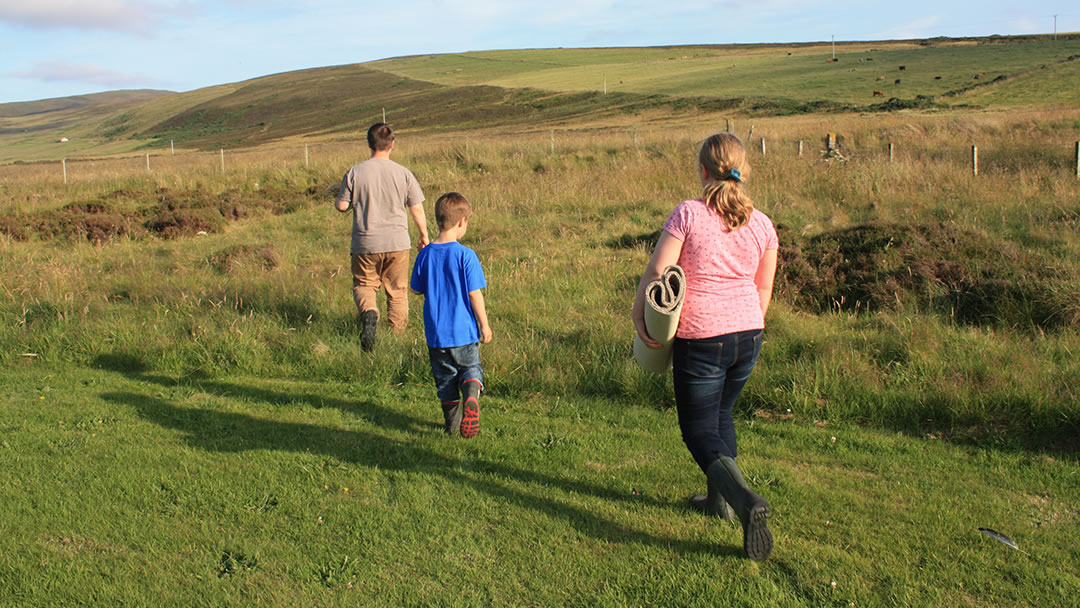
(126, 16)
(60, 71)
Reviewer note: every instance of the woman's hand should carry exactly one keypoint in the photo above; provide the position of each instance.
(644, 335)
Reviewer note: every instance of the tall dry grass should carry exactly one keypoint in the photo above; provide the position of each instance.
(565, 222)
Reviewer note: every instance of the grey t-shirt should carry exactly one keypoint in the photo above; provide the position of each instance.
(380, 190)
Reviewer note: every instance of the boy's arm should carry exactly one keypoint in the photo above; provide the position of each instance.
(477, 299)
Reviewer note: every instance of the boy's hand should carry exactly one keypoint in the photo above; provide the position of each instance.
(485, 335)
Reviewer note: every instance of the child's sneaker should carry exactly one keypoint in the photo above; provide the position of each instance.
(470, 420)
(368, 320)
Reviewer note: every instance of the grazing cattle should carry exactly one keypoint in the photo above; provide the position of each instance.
(979, 75)
(937, 77)
(879, 93)
(903, 67)
(897, 81)
(880, 78)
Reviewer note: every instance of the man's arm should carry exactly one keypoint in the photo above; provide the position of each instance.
(477, 299)
(417, 213)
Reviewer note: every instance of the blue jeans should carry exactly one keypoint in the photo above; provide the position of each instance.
(451, 367)
(708, 375)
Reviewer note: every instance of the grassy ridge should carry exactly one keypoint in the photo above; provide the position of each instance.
(799, 72)
(536, 88)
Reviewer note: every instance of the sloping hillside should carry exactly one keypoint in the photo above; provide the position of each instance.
(543, 87)
(803, 73)
(59, 104)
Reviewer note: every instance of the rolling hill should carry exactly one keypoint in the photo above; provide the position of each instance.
(536, 88)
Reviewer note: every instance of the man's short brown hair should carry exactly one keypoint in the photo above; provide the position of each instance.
(450, 208)
(380, 137)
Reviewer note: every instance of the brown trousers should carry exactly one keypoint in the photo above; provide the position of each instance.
(391, 271)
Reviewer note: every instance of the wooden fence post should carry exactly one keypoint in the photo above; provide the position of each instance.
(223, 161)
(1078, 159)
(890, 152)
(553, 141)
(147, 162)
(307, 161)
(63, 163)
(750, 135)
(172, 147)
(975, 160)
(763, 146)
(800, 148)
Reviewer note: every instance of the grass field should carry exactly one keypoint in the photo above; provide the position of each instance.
(211, 388)
(189, 419)
(800, 72)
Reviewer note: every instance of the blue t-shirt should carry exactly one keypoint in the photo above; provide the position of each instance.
(445, 273)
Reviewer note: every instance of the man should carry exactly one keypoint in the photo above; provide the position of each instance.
(382, 195)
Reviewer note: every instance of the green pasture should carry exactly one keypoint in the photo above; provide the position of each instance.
(799, 72)
(124, 486)
(189, 418)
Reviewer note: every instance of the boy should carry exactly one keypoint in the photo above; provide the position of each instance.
(449, 276)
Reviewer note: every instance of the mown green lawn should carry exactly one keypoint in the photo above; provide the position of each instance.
(126, 487)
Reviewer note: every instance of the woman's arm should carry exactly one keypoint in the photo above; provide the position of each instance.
(763, 279)
(668, 249)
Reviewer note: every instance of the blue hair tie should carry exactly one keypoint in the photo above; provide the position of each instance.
(734, 174)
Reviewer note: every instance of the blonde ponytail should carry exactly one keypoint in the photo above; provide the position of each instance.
(724, 160)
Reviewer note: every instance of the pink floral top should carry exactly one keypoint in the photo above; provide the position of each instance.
(720, 265)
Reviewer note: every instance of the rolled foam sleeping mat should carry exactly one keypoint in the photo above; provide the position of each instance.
(663, 303)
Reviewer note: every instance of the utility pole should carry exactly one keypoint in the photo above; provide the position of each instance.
(834, 47)
(1055, 27)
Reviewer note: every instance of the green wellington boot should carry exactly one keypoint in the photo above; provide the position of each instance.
(712, 504)
(452, 418)
(751, 509)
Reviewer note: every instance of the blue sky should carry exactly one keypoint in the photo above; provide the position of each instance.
(55, 48)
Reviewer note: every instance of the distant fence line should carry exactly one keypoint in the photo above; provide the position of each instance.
(832, 149)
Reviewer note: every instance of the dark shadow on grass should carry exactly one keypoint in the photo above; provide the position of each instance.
(222, 431)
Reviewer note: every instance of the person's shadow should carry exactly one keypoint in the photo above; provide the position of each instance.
(222, 431)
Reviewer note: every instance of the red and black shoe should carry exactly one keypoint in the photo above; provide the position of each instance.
(470, 418)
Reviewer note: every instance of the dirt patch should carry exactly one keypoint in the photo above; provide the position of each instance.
(14, 228)
(245, 257)
(173, 223)
(967, 276)
(161, 213)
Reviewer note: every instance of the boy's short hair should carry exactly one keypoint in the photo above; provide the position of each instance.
(380, 137)
(450, 208)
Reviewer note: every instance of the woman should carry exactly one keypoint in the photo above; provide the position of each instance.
(727, 250)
